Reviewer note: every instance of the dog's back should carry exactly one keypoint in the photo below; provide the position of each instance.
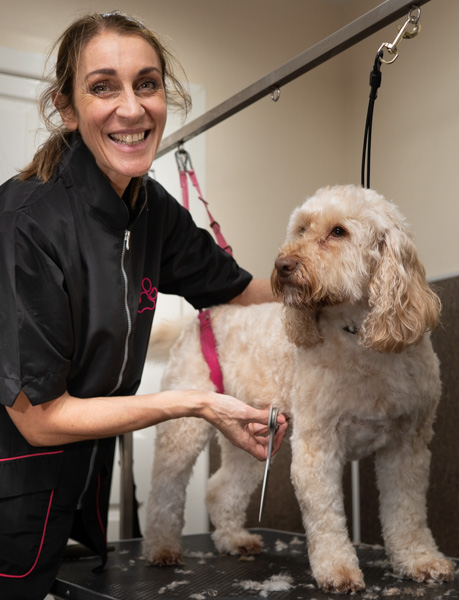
(254, 352)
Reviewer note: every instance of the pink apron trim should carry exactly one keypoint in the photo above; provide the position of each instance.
(42, 539)
(31, 455)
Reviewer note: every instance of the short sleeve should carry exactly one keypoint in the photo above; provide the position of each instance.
(193, 265)
(36, 337)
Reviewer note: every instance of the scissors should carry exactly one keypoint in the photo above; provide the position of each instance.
(273, 427)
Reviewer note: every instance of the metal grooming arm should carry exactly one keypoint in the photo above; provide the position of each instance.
(346, 37)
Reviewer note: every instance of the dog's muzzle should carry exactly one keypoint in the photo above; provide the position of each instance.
(285, 267)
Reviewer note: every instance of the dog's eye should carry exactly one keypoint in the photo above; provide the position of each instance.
(301, 230)
(338, 231)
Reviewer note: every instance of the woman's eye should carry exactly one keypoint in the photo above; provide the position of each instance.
(100, 88)
(150, 84)
(338, 231)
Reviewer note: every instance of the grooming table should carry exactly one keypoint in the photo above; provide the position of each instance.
(207, 574)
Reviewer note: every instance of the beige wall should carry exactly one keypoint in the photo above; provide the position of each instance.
(268, 158)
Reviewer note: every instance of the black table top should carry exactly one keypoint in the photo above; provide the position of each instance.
(206, 574)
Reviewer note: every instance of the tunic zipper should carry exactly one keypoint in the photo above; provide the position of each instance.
(127, 237)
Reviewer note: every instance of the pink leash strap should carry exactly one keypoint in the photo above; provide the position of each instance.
(213, 223)
(209, 349)
(184, 186)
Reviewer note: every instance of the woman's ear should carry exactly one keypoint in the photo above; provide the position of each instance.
(66, 111)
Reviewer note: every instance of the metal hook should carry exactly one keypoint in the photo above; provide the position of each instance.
(275, 94)
(413, 19)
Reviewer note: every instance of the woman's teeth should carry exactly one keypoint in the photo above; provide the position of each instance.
(128, 139)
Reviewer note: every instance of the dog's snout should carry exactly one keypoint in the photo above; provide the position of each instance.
(285, 266)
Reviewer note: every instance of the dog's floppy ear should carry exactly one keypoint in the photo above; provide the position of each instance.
(301, 326)
(402, 305)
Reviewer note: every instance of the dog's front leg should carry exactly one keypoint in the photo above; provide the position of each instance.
(402, 474)
(317, 470)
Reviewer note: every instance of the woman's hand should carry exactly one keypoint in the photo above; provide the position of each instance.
(244, 426)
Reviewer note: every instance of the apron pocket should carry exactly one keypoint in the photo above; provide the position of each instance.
(26, 496)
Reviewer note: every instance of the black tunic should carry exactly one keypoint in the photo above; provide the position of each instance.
(80, 273)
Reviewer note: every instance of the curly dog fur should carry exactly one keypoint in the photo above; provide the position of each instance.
(348, 356)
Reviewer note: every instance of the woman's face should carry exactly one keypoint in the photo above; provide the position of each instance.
(119, 105)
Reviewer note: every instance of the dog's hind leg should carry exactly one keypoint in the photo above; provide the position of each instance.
(228, 495)
(178, 445)
(402, 475)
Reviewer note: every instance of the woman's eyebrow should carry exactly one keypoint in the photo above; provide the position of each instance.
(100, 72)
(112, 72)
(146, 70)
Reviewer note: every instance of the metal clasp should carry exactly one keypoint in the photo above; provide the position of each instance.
(183, 159)
(403, 33)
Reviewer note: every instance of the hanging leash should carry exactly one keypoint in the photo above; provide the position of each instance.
(186, 170)
(208, 341)
(409, 30)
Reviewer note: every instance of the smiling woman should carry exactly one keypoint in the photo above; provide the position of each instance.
(69, 77)
(119, 105)
(84, 234)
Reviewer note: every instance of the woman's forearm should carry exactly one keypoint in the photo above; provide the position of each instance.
(69, 419)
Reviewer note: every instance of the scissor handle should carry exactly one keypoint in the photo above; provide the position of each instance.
(272, 421)
(272, 424)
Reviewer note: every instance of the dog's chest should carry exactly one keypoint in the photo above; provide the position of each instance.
(360, 436)
(362, 400)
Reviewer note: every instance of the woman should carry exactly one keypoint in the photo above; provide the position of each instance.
(85, 238)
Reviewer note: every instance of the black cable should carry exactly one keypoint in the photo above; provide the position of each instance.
(375, 83)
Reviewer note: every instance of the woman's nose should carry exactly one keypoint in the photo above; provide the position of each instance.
(130, 106)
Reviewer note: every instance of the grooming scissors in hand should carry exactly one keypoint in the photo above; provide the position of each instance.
(273, 427)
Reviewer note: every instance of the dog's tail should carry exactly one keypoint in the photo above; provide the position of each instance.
(164, 334)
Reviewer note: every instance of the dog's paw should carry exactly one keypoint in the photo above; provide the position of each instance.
(237, 543)
(342, 580)
(165, 558)
(437, 568)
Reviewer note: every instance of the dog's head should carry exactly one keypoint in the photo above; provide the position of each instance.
(348, 244)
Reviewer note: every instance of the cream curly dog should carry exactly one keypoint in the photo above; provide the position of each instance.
(348, 356)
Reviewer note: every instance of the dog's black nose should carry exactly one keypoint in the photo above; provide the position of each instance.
(285, 266)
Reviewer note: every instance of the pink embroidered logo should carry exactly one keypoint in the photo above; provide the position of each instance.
(148, 295)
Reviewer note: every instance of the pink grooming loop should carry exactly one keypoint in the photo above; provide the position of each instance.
(208, 342)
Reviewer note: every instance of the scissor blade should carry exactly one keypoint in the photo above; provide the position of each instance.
(263, 490)
(273, 427)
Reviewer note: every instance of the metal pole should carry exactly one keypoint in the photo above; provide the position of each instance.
(341, 40)
(355, 478)
(126, 487)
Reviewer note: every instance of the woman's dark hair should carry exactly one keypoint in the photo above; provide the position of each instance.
(60, 90)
